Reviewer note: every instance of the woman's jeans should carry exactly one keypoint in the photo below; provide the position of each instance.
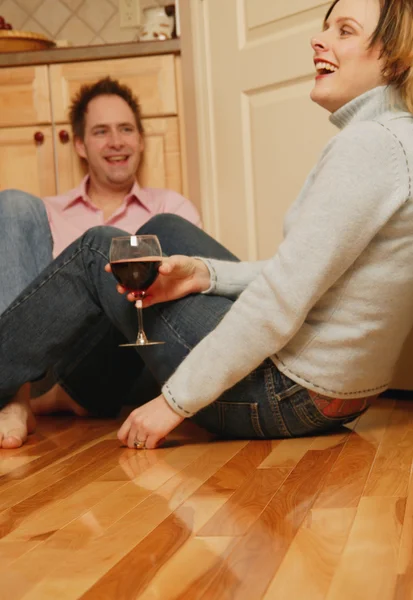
(71, 315)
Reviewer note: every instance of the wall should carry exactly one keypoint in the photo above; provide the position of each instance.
(82, 22)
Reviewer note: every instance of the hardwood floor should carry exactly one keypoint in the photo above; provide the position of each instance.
(327, 517)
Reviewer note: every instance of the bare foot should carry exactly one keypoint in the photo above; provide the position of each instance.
(56, 400)
(16, 420)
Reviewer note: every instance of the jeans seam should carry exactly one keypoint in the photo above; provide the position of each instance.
(273, 401)
(40, 285)
(255, 419)
(172, 328)
(44, 281)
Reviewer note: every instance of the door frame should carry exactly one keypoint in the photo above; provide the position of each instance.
(199, 130)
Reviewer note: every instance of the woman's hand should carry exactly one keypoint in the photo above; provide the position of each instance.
(148, 425)
(178, 276)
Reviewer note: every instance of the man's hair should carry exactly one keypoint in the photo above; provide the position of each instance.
(394, 34)
(103, 87)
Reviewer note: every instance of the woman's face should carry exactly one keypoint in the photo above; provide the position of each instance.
(346, 68)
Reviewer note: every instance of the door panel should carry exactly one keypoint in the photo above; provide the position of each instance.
(261, 132)
(24, 96)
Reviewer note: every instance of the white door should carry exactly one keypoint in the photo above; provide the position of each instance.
(259, 133)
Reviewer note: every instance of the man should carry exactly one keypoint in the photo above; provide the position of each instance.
(109, 135)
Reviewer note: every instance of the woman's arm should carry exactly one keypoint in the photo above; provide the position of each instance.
(228, 278)
(361, 181)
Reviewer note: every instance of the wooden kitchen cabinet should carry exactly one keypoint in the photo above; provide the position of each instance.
(152, 78)
(26, 164)
(30, 96)
(24, 96)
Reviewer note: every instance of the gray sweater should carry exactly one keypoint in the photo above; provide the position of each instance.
(334, 305)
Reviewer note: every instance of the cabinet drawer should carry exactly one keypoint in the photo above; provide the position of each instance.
(152, 79)
(24, 96)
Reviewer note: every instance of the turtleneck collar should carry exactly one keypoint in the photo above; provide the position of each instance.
(366, 107)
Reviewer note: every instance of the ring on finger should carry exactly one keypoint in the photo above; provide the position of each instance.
(139, 444)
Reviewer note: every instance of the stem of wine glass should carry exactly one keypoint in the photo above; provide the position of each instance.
(141, 339)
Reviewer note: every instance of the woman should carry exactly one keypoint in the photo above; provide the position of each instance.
(298, 344)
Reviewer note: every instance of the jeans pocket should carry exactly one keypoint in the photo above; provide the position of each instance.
(240, 420)
(231, 420)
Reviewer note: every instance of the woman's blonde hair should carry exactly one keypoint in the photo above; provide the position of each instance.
(394, 33)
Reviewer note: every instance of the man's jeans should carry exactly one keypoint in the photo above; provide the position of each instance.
(63, 315)
(26, 248)
(25, 243)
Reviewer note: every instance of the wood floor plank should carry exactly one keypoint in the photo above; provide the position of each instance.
(287, 453)
(404, 583)
(191, 563)
(253, 562)
(346, 481)
(95, 460)
(49, 468)
(57, 530)
(391, 470)
(246, 504)
(312, 559)
(368, 568)
(90, 563)
(315, 553)
(236, 471)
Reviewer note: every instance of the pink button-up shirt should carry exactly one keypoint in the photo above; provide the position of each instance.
(71, 214)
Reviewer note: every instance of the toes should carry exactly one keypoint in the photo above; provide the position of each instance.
(14, 438)
(11, 442)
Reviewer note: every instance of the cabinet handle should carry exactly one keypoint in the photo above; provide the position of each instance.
(39, 138)
(64, 136)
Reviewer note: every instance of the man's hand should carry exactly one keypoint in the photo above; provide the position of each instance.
(148, 425)
(178, 276)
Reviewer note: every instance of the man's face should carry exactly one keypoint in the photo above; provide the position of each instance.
(112, 144)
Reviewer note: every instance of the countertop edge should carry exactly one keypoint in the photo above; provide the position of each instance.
(89, 53)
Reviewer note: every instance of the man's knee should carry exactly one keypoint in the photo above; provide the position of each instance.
(20, 205)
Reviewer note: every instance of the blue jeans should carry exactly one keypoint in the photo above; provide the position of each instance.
(64, 314)
(25, 243)
(26, 248)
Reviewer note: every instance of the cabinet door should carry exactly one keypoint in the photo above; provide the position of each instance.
(26, 164)
(152, 78)
(24, 96)
(161, 165)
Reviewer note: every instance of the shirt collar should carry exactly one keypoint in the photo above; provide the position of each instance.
(136, 194)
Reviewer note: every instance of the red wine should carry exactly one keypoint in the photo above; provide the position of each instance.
(136, 274)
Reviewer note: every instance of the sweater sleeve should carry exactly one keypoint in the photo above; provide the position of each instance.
(361, 180)
(230, 278)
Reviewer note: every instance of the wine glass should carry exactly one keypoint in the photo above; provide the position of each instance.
(135, 260)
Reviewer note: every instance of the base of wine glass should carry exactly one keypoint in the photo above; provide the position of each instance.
(139, 345)
(141, 340)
